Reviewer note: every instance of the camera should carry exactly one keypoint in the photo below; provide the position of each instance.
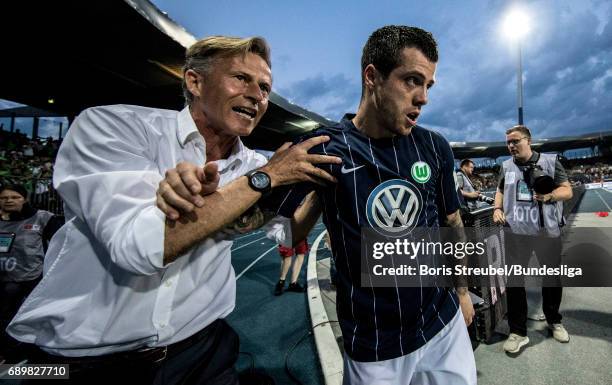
(486, 199)
(537, 179)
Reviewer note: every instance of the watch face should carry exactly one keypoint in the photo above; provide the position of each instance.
(260, 180)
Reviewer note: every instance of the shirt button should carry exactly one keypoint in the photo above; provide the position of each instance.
(168, 283)
(162, 325)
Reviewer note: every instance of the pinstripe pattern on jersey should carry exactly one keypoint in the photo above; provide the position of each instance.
(380, 323)
(325, 213)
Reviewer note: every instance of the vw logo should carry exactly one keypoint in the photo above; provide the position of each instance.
(394, 206)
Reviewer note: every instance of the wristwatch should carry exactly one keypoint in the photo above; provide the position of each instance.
(259, 181)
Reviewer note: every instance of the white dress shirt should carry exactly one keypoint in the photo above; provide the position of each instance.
(105, 288)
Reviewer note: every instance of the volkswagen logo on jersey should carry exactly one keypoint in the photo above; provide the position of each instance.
(394, 207)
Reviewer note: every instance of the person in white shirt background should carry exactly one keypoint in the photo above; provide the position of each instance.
(127, 293)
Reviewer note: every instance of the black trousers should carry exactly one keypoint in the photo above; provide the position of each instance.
(208, 360)
(520, 248)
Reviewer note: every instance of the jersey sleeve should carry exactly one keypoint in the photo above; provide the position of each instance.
(284, 200)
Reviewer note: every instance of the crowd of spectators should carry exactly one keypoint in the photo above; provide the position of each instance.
(485, 178)
(28, 162)
(579, 171)
(597, 173)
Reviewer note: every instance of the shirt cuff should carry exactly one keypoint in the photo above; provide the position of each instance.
(151, 225)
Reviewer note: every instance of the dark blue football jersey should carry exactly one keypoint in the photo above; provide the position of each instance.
(414, 175)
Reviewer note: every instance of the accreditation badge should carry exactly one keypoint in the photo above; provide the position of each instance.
(523, 192)
(6, 241)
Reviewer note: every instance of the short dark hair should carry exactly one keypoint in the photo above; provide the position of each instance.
(465, 162)
(19, 189)
(384, 47)
(519, 128)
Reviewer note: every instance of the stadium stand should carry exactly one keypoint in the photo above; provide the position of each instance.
(29, 162)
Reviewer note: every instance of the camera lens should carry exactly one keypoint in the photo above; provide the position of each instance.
(542, 183)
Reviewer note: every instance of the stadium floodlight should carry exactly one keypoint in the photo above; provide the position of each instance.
(516, 24)
(515, 27)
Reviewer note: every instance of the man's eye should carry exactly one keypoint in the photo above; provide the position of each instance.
(412, 80)
(241, 77)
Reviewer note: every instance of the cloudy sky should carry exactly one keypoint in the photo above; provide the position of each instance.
(316, 47)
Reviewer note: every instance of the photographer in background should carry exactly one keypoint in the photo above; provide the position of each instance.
(469, 193)
(530, 192)
(466, 187)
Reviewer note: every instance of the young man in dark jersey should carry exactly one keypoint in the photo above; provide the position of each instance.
(394, 173)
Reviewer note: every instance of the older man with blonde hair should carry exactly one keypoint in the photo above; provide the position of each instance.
(128, 294)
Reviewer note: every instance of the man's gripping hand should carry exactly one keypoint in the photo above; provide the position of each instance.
(183, 187)
(292, 164)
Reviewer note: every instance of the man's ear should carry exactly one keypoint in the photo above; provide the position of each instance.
(193, 80)
(369, 76)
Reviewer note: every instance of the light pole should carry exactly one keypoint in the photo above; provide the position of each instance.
(519, 83)
(516, 26)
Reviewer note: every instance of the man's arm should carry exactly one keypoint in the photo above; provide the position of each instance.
(305, 217)
(470, 195)
(498, 211)
(454, 220)
(218, 210)
(448, 199)
(290, 164)
(563, 192)
(107, 178)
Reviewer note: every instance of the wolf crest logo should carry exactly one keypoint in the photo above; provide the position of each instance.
(420, 172)
(394, 207)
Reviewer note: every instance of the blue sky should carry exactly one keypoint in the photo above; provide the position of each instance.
(46, 126)
(316, 49)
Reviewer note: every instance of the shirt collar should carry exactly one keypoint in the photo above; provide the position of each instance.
(535, 156)
(234, 160)
(187, 128)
